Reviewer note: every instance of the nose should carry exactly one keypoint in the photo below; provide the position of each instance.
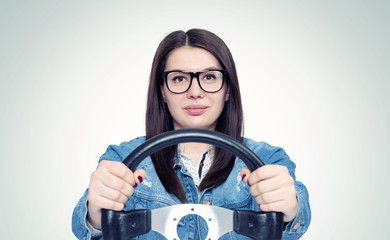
(195, 91)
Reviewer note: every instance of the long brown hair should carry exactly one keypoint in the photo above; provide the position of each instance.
(159, 120)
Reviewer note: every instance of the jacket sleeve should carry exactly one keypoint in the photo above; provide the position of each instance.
(79, 220)
(275, 155)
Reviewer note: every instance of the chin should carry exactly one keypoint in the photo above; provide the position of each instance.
(206, 127)
(197, 125)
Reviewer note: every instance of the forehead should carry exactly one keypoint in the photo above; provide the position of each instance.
(191, 59)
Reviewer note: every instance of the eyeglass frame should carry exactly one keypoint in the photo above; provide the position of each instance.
(196, 74)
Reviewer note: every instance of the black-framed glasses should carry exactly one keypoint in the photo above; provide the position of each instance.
(210, 81)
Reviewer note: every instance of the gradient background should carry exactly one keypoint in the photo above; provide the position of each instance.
(314, 78)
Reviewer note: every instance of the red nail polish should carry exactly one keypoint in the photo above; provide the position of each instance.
(140, 179)
(243, 176)
(135, 185)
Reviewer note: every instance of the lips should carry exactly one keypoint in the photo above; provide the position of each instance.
(195, 110)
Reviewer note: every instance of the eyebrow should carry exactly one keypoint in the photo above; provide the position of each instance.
(208, 68)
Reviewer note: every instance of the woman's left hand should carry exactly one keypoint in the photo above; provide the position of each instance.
(274, 189)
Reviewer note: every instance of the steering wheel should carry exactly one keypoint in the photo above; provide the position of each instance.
(121, 225)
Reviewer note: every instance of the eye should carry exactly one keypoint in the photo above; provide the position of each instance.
(178, 79)
(209, 77)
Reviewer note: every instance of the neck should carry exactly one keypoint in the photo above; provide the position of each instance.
(194, 150)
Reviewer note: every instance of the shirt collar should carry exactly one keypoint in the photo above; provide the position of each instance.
(180, 153)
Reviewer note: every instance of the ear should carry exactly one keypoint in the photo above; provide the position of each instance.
(227, 95)
(163, 93)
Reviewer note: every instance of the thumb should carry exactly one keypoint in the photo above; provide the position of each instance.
(139, 175)
(245, 172)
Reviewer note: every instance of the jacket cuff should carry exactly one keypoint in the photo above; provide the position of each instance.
(79, 219)
(95, 233)
(299, 225)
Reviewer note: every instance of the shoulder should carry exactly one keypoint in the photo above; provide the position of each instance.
(119, 152)
(270, 154)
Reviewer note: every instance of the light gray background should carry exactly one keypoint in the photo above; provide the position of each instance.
(314, 78)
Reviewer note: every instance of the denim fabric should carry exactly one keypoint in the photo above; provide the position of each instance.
(232, 194)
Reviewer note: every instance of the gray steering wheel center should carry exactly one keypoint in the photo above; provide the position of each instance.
(165, 220)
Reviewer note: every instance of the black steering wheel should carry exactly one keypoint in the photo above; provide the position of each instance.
(120, 225)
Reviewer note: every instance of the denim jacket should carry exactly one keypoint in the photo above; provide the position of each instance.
(232, 194)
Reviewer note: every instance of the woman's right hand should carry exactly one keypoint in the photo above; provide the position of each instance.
(110, 187)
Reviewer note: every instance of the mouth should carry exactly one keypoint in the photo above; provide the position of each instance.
(195, 110)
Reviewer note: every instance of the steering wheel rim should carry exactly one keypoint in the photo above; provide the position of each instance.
(174, 137)
(245, 221)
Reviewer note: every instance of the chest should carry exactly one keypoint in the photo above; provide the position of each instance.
(232, 194)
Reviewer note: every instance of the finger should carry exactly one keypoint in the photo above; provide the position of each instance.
(118, 169)
(270, 197)
(245, 173)
(104, 203)
(266, 172)
(113, 195)
(265, 186)
(281, 206)
(273, 207)
(103, 179)
(139, 175)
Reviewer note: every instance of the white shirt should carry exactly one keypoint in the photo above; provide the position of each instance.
(198, 171)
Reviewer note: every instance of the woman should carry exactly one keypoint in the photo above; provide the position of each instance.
(193, 84)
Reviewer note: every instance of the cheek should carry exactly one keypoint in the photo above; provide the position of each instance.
(219, 104)
(223, 98)
(222, 106)
(172, 103)
(171, 106)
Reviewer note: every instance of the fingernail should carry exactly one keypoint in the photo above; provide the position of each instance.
(140, 179)
(243, 176)
(135, 185)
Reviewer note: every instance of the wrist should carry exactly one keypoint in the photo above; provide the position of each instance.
(94, 217)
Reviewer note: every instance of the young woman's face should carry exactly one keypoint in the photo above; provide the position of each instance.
(194, 108)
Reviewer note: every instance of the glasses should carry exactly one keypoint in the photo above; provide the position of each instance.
(210, 81)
